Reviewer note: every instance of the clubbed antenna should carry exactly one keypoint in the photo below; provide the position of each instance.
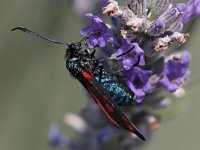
(26, 30)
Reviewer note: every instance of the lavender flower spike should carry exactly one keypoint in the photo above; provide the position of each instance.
(97, 32)
(129, 53)
(138, 81)
(176, 71)
(139, 41)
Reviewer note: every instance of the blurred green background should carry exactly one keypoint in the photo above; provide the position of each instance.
(36, 90)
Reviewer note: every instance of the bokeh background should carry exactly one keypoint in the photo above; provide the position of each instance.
(36, 90)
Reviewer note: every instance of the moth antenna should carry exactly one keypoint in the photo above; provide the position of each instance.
(28, 31)
(121, 70)
(83, 39)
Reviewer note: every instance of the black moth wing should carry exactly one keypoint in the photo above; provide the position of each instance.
(109, 107)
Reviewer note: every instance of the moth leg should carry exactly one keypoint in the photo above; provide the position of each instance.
(101, 70)
(93, 53)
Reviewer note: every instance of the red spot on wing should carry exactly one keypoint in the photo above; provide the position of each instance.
(104, 97)
(117, 119)
(124, 119)
(102, 107)
(109, 107)
(130, 126)
(87, 75)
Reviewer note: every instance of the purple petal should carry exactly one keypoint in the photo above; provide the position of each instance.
(127, 63)
(190, 10)
(138, 82)
(97, 32)
(142, 62)
(117, 53)
(176, 71)
(109, 37)
(171, 87)
(94, 18)
(86, 31)
(92, 42)
(101, 42)
(139, 93)
(130, 53)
